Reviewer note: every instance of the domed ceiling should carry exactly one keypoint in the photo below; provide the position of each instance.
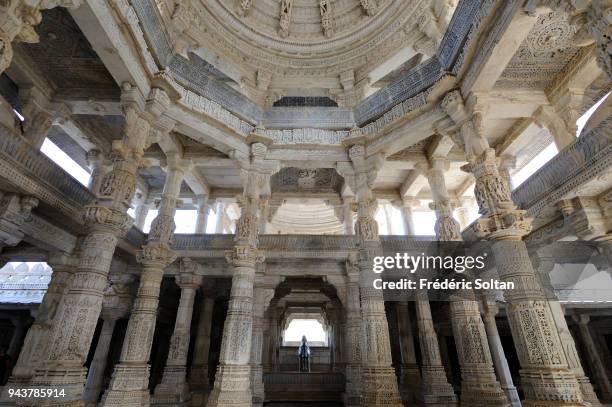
(334, 48)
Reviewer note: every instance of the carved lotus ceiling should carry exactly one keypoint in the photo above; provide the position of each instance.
(550, 45)
(329, 47)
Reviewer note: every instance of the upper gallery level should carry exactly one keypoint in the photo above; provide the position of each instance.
(406, 80)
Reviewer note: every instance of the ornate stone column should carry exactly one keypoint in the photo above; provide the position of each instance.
(95, 375)
(544, 267)
(352, 339)
(489, 310)
(141, 210)
(220, 211)
(261, 298)
(36, 342)
(96, 162)
(405, 205)
(378, 381)
(435, 389)
(410, 376)
(506, 164)
(117, 303)
(198, 379)
(600, 373)
(130, 381)
(203, 208)
(347, 215)
(106, 220)
(173, 388)
(233, 379)
(264, 208)
(462, 212)
(545, 376)
(479, 386)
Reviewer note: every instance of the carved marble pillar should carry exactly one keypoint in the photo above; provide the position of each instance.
(233, 379)
(406, 205)
(378, 381)
(198, 378)
(600, 374)
(446, 227)
(220, 211)
(264, 208)
(96, 163)
(410, 376)
(544, 267)
(545, 374)
(141, 211)
(489, 310)
(261, 297)
(203, 208)
(173, 389)
(462, 212)
(130, 380)
(347, 215)
(106, 219)
(95, 375)
(352, 339)
(435, 389)
(117, 304)
(507, 163)
(36, 341)
(479, 386)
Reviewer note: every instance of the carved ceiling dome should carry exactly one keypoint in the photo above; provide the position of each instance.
(280, 45)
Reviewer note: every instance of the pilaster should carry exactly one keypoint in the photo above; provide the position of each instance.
(601, 376)
(410, 375)
(198, 379)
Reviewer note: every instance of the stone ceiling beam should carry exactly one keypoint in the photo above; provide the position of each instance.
(415, 181)
(501, 53)
(108, 38)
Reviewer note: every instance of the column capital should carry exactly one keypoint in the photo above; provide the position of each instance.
(581, 319)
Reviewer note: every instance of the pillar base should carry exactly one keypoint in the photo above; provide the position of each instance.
(173, 389)
(410, 383)
(435, 389)
(198, 378)
(545, 388)
(475, 393)
(69, 379)
(257, 385)
(352, 394)
(232, 387)
(512, 394)
(379, 387)
(588, 393)
(129, 386)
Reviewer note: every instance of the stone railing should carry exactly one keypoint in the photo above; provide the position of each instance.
(35, 163)
(584, 160)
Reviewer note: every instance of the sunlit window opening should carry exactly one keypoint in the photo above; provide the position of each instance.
(581, 122)
(64, 161)
(211, 224)
(152, 214)
(424, 222)
(311, 328)
(185, 221)
(538, 162)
